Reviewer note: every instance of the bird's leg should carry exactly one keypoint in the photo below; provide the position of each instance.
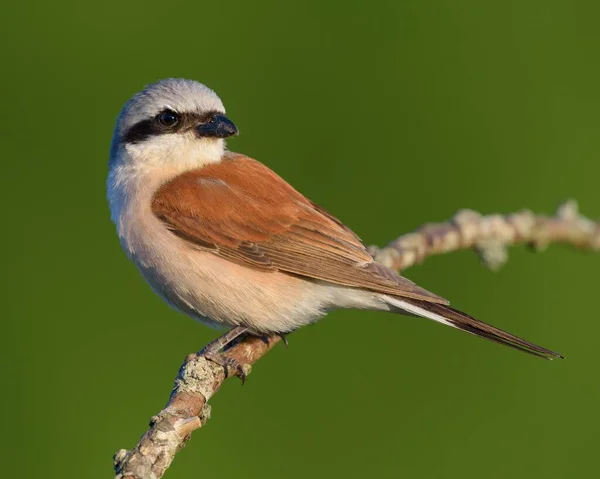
(212, 352)
(218, 344)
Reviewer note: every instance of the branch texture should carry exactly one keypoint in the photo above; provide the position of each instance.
(489, 236)
(199, 378)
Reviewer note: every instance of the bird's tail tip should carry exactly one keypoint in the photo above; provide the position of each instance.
(459, 320)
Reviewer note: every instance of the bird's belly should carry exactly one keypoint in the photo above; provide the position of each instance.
(219, 292)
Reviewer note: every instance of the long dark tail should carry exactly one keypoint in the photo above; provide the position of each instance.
(459, 320)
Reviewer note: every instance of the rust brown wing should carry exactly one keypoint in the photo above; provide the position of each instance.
(241, 210)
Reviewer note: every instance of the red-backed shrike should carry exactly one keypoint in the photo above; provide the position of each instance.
(225, 240)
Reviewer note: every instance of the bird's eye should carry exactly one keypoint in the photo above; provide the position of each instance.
(168, 118)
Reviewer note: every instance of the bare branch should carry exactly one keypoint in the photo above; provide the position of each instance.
(489, 236)
(199, 379)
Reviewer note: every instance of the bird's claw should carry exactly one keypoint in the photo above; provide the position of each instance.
(230, 365)
(283, 338)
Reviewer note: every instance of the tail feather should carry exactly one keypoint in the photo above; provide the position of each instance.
(459, 320)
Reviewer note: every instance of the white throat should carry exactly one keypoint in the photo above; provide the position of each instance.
(185, 151)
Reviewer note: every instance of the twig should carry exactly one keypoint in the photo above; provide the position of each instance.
(199, 379)
(489, 236)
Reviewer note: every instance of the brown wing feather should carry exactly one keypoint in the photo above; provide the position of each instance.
(241, 210)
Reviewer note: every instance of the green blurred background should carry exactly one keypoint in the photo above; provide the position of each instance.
(387, 113)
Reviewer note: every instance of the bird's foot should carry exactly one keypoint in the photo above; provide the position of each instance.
(230, 365)
(212, 352)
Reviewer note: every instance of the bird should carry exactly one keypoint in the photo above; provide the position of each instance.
(224, 239)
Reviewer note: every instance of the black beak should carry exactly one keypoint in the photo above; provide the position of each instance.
(219, 126)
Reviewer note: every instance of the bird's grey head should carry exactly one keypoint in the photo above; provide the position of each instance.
(172, 121)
